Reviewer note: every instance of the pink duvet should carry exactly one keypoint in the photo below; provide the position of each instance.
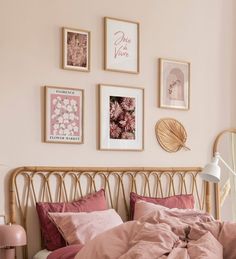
(165, 234)
(67, 252)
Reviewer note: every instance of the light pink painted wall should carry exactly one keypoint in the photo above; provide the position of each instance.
(201, 32)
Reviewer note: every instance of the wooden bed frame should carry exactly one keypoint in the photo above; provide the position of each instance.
(29, 185)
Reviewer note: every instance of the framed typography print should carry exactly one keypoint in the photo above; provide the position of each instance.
(76, 49)
(121, 117)
(174, 84)
(121, 45)
(64, 115)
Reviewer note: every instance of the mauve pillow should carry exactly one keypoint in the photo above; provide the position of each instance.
(51, 237)
(79, 228)
(184, 201)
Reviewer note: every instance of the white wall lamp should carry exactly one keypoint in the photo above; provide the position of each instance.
(211, 172)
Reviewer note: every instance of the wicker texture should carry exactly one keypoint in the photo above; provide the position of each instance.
(31, 184)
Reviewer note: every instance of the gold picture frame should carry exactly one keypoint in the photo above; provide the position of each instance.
(121, 45)
(121, 118)
(174, 84)
(64, 115)
(76, 49)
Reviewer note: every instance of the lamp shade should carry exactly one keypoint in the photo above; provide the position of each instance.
(12, 235)
(211, 172)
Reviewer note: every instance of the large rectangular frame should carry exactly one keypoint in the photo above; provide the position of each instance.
(123, 144)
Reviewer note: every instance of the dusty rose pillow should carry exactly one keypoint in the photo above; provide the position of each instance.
(143, 210)
(185, 201)
(51, 236)
(79, 228)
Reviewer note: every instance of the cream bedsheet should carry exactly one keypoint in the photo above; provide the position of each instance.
(43, 254)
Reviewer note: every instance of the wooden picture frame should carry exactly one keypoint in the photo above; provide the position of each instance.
(121, 112)
(121, 48)
(76, 49)
(64, 115)
(174, 84)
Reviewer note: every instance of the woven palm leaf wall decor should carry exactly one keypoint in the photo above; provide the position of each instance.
(171, 135)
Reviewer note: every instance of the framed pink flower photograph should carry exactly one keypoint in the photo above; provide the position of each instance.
(64, 115)
(174, 84)
(121, 117)
(76, 49)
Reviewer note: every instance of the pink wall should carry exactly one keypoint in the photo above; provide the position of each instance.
(200, 31)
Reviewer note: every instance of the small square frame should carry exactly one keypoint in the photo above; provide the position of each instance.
(121, 112)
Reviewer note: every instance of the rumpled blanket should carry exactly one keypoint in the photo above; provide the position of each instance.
(67, 252)
(165, 234)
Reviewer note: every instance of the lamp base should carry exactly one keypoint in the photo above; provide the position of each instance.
(7, 253)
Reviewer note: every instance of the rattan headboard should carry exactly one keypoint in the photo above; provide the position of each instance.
(31, 184)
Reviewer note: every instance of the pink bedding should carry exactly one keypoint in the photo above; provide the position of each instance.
(171, 234)
(67, 252)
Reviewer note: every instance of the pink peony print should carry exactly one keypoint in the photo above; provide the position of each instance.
(114, 130)
(127, 121)
(127, 135)
(115, 110)
(128, 104)
(122, 117)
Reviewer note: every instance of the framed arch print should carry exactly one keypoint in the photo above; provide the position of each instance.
(121, 118)
(121, 45)
(174, 84)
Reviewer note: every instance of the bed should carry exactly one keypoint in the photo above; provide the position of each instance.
(29, 185)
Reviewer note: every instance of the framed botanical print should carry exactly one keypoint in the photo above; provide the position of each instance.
(121, 45)
(64, 115)
(76, 49)
(121, 117)
(174, 84)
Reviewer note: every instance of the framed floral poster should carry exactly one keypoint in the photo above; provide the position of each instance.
(174, 84)
(76, 49)
(121, 45)
(64, 115)
(121, 117)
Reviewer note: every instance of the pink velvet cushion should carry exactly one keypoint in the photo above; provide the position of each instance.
(178, 201)
(51, 236)
(79, 228)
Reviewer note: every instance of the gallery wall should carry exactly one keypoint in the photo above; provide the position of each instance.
(201, 32)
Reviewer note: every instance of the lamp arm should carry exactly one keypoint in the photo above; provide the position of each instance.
(223, 161)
